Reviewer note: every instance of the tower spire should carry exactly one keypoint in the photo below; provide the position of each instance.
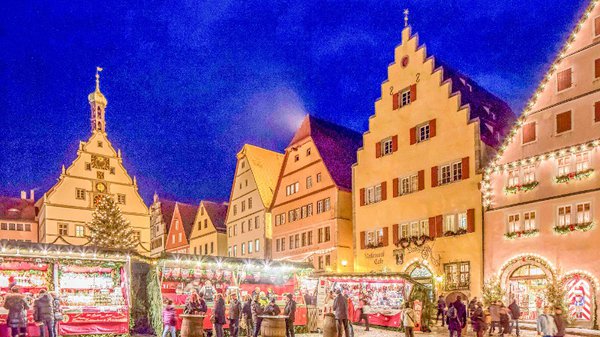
(98, 105)
(406, 17)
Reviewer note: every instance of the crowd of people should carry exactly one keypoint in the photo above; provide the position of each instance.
(47, 312)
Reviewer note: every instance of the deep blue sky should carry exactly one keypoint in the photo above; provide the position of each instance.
(189, 82)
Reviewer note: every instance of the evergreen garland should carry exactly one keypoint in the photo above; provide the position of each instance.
(109, 228)
(424, 295)
(154, 301)
(492, 291)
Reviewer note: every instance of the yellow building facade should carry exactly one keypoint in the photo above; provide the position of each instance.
(209, 235)
(417, 204)
(97, 171)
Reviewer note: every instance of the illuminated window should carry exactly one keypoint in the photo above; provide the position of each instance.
(529, 174)
(457, 276)
(514, 223)
(564, 165)
(386, 147)
(257, 245)
(405, 97)
(79, 231)
(409, 184)
(513, 177)
(423, 132)
(374, 238)
(564, 215)
(582, 161)
(529, 221)
(584, 213)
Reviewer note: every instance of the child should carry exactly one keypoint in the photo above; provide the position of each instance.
(169, 319)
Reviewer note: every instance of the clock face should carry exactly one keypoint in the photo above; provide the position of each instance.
(101, 187)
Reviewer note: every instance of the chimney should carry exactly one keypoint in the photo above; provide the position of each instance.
(32, 195)
(23, 195)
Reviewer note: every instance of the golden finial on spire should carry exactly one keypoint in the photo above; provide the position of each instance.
(98, 70)
(406, 17)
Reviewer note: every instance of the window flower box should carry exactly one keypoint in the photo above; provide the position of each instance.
(521, 188)
(582, 227)
(416, 240)
(565, 178)
(522, 234)
(455, 233)
(371, 245)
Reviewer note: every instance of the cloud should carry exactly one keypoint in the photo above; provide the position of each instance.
(280, 109)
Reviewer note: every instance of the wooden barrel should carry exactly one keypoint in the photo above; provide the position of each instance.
(329, 326)
(192, 326)
(272, 327)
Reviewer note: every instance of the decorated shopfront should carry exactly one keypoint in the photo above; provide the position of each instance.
(93, 285)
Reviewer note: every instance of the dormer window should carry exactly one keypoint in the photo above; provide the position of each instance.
(297, 157)
(100, 144)
(308, 152)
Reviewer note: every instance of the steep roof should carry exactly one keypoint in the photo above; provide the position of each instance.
(217, 212)
(265, 166)
(337, 146)
(17, 209)
(188, 216)
(167, 207)
(495, 115)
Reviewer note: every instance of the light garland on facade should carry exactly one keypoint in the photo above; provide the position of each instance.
(493, 166)
(586, 274)
(531, 257)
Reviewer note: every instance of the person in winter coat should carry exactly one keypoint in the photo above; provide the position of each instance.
(340, 310)
(456, 317)
(472, 306)
(235, 313)
(17, 306)
(495, 314)
(515, 313)
(272, 309)
(408, 320)
(478, 320)
(43, 313)
(290, 312)
(219, 315)
(247, 315)
(169, 319)
(257, 310)
(560, 323)
(193, 306)
(504, 319)
(57, 311)
(545, 324)
(441, 310)
(363, 309)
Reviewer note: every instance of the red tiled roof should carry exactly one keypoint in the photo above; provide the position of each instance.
(217, 213)
(188, 216)
(17, 209)
(167, 207)
(336, 144)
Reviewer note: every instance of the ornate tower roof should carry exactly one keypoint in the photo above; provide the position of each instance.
(98, 105)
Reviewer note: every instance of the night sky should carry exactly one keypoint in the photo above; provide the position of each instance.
(189, 82)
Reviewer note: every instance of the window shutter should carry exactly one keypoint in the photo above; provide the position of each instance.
(597, 68)
(377, 149)
(563, 122)
(597, 26)
(432, 128)
(432, 227)
(564, 79)
(395, 187)
(396, 100)
(471, 220)
(395, 143)
(439, 228)
(413, 92)
(395, 234)
(362, 196)
(421, 176)
(465, 168)
(384, 190)
(597, 111)
(385, 236)
(413, 135)
(362, 240)
(529, 133)
(434, 176)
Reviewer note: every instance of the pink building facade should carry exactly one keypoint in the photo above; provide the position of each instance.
(542, 191)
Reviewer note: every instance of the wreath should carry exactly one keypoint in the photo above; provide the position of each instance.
(421, 240)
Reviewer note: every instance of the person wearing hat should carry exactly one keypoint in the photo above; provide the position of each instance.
(17, 306)
(290, 312)
(272, 308)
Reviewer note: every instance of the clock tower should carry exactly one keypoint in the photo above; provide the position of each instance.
(97, 106)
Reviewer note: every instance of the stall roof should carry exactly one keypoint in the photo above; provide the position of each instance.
(46, 250)
(190, 258)
(380, 276)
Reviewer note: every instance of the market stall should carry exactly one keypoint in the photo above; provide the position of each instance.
(93, 285)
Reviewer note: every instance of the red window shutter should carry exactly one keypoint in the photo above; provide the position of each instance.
(439, 228)
(465, 168)
(563, 122)
(362, 196)
(597, 111)
(564, 79)
(432, 227)
(396, 101)
(529, 133)
(362, 240)
(395, 183)
(377, 149)
(395, 143)
(395, 234)
(432, 128)
(384, 190)
(421, 176)
(413, 92)
(597, 26)
(413, 135)
(385, 236)
(471, 220)
(434, 176)
(597, 68)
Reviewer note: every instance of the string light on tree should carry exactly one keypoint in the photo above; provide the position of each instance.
(109, 228)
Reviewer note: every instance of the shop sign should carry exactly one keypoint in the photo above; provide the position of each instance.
(376, 257)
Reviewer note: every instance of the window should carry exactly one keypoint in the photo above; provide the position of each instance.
(172, 238)
(297, 157)
(176, 223)
(79, 231)
(414, 229)
(304, 239)
(563, 122)
(564, 165)
(249, 203)
(582, 161)
(318, 177)
(243, 226)
(308, 182)
(277, 245)
(423, 133)
(235, 251)
(88, 166)
(513, 177)
(205, 223)
(228, 251)
(308, 152)
(292, 188)
(327, 203)
(250, 246)
(234, 230)
(409, 184)
(195, 252)
(63, 229)
(121, 199)
(249, 224)
(319, 206)
(597, 68)
(309, 238)
(424, 227)
(386, 147)
(327, 260)
(373, 194)
(529, 174)
(257, 245)
(529, 133)
(327, 234)
(597, 112)
(282, 244)
(584, 213)
(243, 248)
(80, 194)
(462, 221)
(180, 239)
(457, 171)
(13, 227)
(28, 227)
(243, 205)
(404, 233)
(100, 175)
(320, 235)
(100, 144)
(234, 209)
(564, 80)
(514, 223)
(4, 226)
(457, 276)
(137, 236)
(112, 170)
(405, 95)
(291, 242)
(206, 249)
(212, 247)
(529, 221)
(297, 240)
(449, 223)
(320, 262)
(201, 210)
(256, 222)
(597, 26)
(564, 215)
(374, 238)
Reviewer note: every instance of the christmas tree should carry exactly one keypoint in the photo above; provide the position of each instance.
(492, 291)
(556, 293)
(108, 227)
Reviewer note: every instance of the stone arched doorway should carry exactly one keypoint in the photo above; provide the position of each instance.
(451, 297)
(422, 274)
